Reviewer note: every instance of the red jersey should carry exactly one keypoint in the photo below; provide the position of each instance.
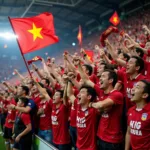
(110, 129)
(122, 80)
(94, 78)
(45, 118)
(26, 119)
(130, 84)
(86, 128)
(10, 116)
(60, 129)
(37, 99)
(139, 123)
(4, 106)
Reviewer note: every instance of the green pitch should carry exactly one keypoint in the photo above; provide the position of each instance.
(2, 145)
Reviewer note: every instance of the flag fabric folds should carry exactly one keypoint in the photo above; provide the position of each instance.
(79, 37)
(90, 54)
(115, 20)
(36, 58)
(35, 32)
(106, 33)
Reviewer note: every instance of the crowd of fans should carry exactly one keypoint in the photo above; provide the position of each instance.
(85, 104)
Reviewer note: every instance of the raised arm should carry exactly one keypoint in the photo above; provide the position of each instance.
(20, 76)
(146, 29)
(114, 54)
(70, 94)
(72, 78)
(65, 98)
(42, 91)
(35, 68)
(12, 89)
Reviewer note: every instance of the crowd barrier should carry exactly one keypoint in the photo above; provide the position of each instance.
(40, 144)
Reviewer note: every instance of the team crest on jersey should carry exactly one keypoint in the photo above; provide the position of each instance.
(144, 116)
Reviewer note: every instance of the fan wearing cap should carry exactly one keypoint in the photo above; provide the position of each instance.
(138, 133)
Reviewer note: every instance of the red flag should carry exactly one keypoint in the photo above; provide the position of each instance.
(106, 33)
(79, 37)
(35, 32)
(36, 58)
(90, 54)
(115, 20)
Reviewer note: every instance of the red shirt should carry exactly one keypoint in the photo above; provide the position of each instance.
(86, 128)
(130, 84)
(37, 99)
(94, 78)
(25, 118)
(45, 118)
(60, 129)
(109, 128)
(122, 80)
(4, 105)
(10, 116)
(139, 123)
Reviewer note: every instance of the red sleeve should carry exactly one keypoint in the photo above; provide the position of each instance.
(47, 107)
(94, 78)
(148, 52)
(76, 92)
(57, 86)
(26, 119)
(13, 102)
(50, 103)
(121, 76)
(117, 97)
(128, 115)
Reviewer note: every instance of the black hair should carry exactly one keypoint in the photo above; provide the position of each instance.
(112, 75)
(41, 84)
(91, 91)
(139, 62)
(61, 93)
(89, 68)
(46, 80)
(24, 100)
(26, 89)
(139, 50)
(119, 51)
(146, 89)
(49, 92)
(126, 56)
(16, 98)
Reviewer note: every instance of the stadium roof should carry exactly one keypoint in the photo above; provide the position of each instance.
(69, 14)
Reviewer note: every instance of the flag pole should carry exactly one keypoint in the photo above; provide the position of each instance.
(20, 49)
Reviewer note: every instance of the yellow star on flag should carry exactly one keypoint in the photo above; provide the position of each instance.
(115, 19)
(36, 32)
